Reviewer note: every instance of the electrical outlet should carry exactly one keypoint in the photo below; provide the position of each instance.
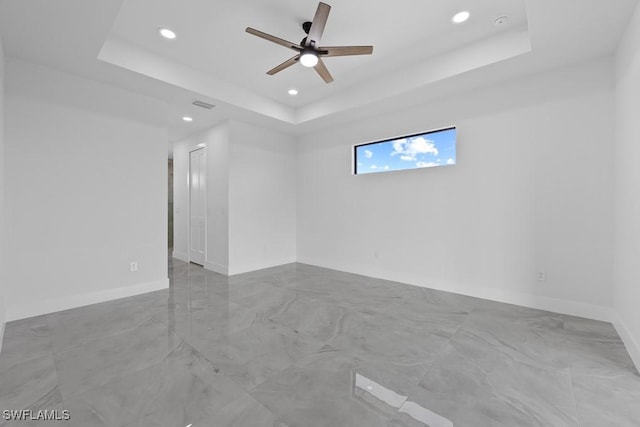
(542, 276)
(133, 266)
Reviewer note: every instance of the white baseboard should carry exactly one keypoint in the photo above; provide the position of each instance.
(222, 269)
(2, 325)
(561, 306)
(633, 347)
(218, 268)
(72, 301)
(3, 320)
(571, 308)
(259, 266)
(180, 256)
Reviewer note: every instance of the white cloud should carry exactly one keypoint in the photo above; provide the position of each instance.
(451, 162)
(359, 163)
(386, 167)
(426, 164)
(398, 146)
(368, 154)
(373, 167)
(409, 150)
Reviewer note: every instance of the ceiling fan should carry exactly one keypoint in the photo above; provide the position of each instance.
(309, 49)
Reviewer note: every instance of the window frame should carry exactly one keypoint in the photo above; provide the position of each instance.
(354, 151)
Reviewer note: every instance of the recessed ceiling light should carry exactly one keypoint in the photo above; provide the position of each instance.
(293, 92)
(460, 17)
(167, 33)
(187, 119)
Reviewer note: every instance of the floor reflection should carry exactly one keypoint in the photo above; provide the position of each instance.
(404, 406)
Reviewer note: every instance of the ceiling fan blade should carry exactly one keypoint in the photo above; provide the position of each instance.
(273, 39)
(345, 50)
(318, 24)
(286, 64)
(322, 70)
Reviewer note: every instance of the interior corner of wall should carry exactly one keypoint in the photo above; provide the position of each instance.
(631, 343)
(180, 256)
(216, 267)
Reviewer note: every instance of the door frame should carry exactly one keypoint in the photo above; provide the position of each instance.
(204, 153)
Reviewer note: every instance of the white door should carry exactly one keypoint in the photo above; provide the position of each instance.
(197, 203)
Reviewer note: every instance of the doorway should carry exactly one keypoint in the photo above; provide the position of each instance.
(197, 206)
(170, 207)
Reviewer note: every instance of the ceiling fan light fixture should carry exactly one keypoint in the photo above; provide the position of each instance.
(460, 17)
(308, 58)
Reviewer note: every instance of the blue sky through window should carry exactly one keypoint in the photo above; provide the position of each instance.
(411, 152)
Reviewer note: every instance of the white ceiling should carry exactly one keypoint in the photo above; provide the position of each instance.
(418, 52)
(213, 39)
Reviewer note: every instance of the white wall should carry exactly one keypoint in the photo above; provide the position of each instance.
(531, 191)
(2, 204)
(251, 217)
(626, 289)
(216, 143)
(262, 198)
(85, 191)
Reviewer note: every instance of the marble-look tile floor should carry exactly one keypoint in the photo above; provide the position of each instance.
(302, 346)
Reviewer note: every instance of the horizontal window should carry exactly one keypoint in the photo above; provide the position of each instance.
(422, 150)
